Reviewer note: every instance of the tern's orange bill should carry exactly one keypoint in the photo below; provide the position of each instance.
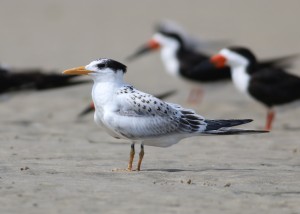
(218, 60)
(77, 71)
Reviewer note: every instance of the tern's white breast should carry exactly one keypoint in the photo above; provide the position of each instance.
(103, 96)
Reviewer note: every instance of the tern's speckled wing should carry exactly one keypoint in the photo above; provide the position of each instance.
(141, 116)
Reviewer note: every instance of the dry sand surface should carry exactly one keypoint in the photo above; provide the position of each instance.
(67, 162)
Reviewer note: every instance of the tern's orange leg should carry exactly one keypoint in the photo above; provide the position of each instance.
(195, 96)
(132, 152)
(141, 155)
(131, 157)
(270, 118)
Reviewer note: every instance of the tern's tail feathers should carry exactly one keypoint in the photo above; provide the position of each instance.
(217, 124)
(228, 131)
(221, 127)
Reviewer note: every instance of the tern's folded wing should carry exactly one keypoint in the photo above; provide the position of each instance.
(142, 115)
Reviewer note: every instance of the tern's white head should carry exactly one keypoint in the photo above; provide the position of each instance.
(240, 60)
(101, 70)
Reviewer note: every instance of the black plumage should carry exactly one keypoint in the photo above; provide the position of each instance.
(274, 86)
(34, 79)
(190, 67)
(270, 83)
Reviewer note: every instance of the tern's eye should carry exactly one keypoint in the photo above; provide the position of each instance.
(101, 65)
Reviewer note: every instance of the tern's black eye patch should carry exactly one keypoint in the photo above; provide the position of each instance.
(111, 64)
(101, 65)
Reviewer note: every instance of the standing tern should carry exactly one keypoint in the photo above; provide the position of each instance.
(271, 85)
(127, 113)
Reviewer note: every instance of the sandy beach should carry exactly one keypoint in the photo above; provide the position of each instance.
(53, 162)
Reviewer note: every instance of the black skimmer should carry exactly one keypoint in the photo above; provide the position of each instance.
(91, 107)
(127, 113)
(271, 85)
(182, 57)
(33, 79)
(181, 54)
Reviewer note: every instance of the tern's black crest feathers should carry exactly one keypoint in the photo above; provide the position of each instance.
(112, 64)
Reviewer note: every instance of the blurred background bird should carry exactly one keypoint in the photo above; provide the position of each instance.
(18, 80)
(271, 85)
(180, 53)
(185, 57)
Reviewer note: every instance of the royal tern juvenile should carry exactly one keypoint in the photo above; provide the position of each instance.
(271, 85)
(127, 113)
(91, 107)
(182, 57)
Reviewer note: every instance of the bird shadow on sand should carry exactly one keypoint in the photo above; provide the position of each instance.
(195, 170)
